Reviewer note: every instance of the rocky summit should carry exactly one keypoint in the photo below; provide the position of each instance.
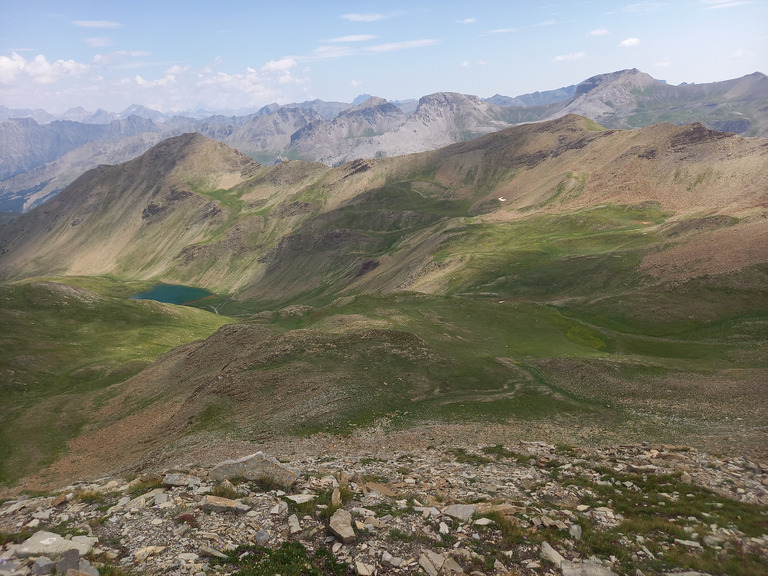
(526, 508)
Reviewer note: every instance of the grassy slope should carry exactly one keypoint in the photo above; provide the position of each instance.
(62, 346)
(549, 319)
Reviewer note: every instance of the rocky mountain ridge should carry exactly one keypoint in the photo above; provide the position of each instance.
(528, 509)
(33, 169)
(531, 152)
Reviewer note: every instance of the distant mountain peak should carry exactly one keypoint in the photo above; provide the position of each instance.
(371, 102)
(360, 99)
(633, 75)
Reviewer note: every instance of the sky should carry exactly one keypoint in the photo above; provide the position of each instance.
(237, 55)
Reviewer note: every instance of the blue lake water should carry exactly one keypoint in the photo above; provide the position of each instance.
(172, 294)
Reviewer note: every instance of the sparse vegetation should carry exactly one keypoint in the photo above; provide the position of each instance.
(289, 559)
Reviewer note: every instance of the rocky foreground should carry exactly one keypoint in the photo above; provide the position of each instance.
(531, 508)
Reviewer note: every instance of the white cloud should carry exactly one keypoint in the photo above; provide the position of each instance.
(467, 21)
(464, 64)
(62, 84)
(715, 4)
(395, 46)
(39, 70)
(353, 38)
(598, 32)
(279, 65)
(11, 67)
(570, 57)
(663, 63)
(629, 42)
(371, 17)
(355, 83)
(96, 24)
(144, 83)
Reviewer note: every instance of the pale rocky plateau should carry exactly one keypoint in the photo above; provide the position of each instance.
(525, 508)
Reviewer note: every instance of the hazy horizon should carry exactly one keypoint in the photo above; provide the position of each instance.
(180, 56)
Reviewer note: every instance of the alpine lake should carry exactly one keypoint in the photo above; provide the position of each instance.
(173, 294)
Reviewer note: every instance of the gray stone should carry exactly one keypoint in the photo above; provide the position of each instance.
(49, 544)
(575, 531)
(462, 512)
(301, 498)
(70, 560)
(549, 553)
(161, 498)
(393, 561)
(293, 524)
(181, 480)
(212, 552)
(10, 567)
(262, 537)
(255, 467)
(436, 559)
(145, 499)
(450, 566)
(122, 503)
(427, 566)
(141, 555)
(85, 569)
(586, 569)
(219, 504)
(364, 569)
(188, 557)
(688, 543)
(43, 565)
(341, 526)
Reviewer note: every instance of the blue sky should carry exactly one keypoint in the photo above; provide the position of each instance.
(175, 55)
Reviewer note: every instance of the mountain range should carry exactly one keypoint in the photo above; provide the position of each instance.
(606, 280)
(39, 160)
